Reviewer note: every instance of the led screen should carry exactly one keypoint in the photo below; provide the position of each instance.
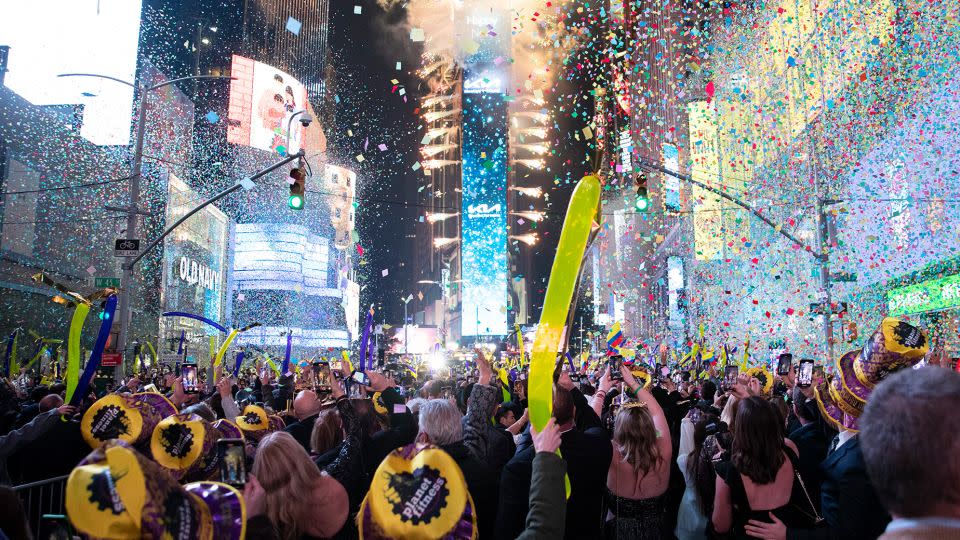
(51, 37)
(484, 241)
(263, 100)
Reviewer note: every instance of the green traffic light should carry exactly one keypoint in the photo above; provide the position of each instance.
(295, 202)
(642, 204)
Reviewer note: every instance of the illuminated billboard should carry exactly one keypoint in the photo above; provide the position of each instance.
(50, 37)
(263, 100)
(484, 240)
(194, 261)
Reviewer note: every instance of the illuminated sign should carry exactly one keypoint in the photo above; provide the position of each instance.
(194, 261)
(931, 295)
(483, 83)
(671, 184)
(484, 242)
(263, 100)
(196, 273)
(281, 257)
(50, 37)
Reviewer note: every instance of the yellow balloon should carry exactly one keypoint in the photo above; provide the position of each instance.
(560, 288)
(224, 347)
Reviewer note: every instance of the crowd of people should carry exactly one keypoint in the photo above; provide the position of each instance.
(868, 449)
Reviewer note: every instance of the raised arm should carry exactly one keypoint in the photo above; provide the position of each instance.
(656, 412)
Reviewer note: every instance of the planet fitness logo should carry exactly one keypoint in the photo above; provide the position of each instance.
(110, 422)
(177, 439)
(420, 496)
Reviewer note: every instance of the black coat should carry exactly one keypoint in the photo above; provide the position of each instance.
(302, 430)
(55, 453)
(849, 502)
(812, 443)
(482, 483)
(587, 454)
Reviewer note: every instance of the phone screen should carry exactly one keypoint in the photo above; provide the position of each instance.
(783, 367)
(360, 377)
(188, 375)
(335, 368)
(730, 374)
(321, 376)
(233, 462)
(615, 362)
(805, 377)
(677, 378)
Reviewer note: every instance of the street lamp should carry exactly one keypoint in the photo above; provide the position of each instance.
(405, 334)
(133, 210)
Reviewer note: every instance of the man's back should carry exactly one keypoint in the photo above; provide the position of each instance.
(587, 455)
(850, 503)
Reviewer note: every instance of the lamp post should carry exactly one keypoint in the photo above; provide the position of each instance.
(405, 335)
(133, 208)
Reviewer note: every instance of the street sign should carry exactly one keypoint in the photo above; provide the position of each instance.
(104, 282)
(843, 277)
(817, 309)
(126, 247)
(111, 359)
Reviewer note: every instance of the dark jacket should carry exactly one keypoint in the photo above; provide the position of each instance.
(401, 432)
(812, 444)
(548, 499)
(54, 453)
(489, 443)
(482, 484)
(301, 431)
(849, 502)
(587, 455)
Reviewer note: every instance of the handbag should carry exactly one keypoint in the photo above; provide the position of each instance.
(816, 519)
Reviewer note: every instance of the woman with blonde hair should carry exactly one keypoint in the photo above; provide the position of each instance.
(639, 472)
(290, 498)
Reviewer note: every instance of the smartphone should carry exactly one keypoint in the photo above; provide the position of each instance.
(150, 387)
(615, 362)
(188, 376)
(677, 378)
(54, 527)
(783, 366)
(321, 376)
(360, 377)
(336, 367)
(805, 377)
(232, 456)
(730, 374)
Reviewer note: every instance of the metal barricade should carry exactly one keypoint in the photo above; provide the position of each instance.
(41, 498)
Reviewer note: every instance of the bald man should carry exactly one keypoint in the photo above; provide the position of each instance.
(50, 402)
(306, 407)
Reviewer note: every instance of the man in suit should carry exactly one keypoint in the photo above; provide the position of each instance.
(306, 407)
(586, 449)
(812, 443)
(910, 432)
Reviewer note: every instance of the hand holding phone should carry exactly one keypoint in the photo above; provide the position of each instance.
(361, 378)
(730, 374)
(616, 361)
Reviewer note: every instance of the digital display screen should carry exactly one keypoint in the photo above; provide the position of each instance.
(263, 100)
(484, 242)
(52, 37)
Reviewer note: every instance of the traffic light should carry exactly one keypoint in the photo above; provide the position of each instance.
(298, 190)
(642, 203)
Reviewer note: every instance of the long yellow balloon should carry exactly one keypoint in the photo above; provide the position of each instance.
(224, 347)
(563, 280)
(73, 349)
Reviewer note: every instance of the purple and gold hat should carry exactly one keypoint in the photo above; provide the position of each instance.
(128, 417)
(116, 492)
(418, 491)
(894, 346)
(184, 445)
(227, 429)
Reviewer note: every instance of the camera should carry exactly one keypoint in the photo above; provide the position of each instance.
(306, 119)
